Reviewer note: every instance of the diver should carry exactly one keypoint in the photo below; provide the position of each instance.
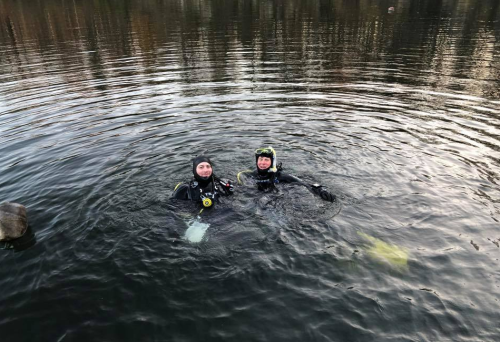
(268, 174)
(205, 187)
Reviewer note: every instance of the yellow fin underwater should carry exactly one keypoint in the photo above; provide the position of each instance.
(392, 254)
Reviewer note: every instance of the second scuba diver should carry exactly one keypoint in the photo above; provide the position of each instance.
(268, 174)
(205, 188)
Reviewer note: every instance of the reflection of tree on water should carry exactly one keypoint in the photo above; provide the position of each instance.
(305, 37)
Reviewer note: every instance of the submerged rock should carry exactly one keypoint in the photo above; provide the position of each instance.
(13, 221)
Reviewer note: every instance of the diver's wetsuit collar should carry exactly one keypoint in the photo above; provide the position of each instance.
(264, 173)
(202, 182)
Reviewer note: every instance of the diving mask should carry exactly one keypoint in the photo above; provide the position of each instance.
(265, 151)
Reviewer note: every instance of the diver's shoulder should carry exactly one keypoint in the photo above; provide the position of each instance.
(181, 185)
(181, 191)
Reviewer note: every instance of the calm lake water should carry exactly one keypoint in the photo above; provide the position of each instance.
(104, 103)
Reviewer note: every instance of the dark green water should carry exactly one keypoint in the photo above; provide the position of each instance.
(104, 103)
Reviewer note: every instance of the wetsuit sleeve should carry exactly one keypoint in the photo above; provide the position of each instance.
(316, 189)
(286, 178)
(181, 191)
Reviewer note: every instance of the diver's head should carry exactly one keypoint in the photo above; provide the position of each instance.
(264, 163)
(202, 169)
(265, 158)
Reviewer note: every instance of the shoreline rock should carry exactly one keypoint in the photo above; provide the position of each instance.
(13, 221)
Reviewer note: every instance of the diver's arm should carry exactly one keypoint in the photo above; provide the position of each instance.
(314, 188)
(181, 191)
(287, 178)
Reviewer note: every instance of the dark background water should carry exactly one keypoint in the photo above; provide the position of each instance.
(104, 103)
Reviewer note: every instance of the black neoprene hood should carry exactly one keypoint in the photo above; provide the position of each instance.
(267, 155)
(197, 161)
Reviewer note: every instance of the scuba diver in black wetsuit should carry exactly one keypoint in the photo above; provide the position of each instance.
(205, 187)
(269, 173)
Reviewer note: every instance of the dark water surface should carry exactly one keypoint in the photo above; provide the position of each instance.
(104, 103)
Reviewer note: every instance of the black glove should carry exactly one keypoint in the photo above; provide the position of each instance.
(323, 193)
(326, 195)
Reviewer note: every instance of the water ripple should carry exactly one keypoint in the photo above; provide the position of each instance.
(101, 111)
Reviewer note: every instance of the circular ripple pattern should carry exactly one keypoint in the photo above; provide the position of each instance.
(102, 109)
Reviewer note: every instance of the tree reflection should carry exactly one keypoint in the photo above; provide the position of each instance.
(437, 42)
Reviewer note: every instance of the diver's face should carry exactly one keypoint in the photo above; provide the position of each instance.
(204, 169)
(264, 162)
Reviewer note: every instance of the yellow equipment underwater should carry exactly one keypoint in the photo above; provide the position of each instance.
(383, 251)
